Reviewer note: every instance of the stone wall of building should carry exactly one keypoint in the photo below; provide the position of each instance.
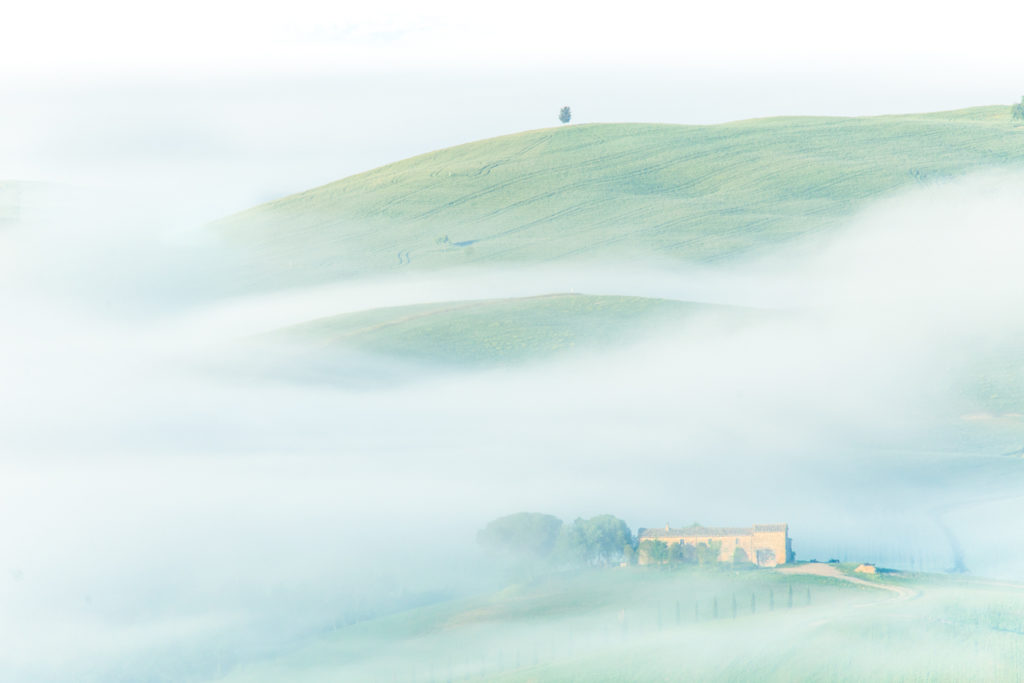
(770, 545)
(766, 545)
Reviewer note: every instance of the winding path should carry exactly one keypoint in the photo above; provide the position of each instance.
(832, 572)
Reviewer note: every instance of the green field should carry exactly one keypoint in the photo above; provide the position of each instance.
(492, 332)
(617, 191)
(397, 342)
(656, 624)
(640, 193)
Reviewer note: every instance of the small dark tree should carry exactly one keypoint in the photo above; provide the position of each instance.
(565, 114)
(1017, 111)
(689, 553)
(653, 552)
(676, 555)
(629, 554)
(707, 553)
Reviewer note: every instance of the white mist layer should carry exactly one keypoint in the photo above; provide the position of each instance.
(153, 504)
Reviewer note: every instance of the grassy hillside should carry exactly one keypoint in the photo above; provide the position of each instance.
(395, 343)
(487, 332)
(686, 193)
(693, 624)
(681, 193)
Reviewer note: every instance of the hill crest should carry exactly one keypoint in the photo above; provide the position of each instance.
(686, 193)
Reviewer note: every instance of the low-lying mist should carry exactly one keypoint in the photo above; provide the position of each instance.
(161, 501)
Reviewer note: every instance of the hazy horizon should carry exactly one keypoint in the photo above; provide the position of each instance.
(259, 137)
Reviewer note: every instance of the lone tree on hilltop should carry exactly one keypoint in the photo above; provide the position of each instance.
(1017, 110)
(565, 114)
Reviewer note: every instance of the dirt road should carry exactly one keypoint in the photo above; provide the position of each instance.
(831, 571)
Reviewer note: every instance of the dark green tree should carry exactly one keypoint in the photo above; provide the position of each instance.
(606, 536)
(525, 535)
(677, 553)
(565, 114)
(653, 552)
(598, 541)
(707, 553)
(689, 554)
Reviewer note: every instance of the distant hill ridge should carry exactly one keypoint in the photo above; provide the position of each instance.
(621, 190)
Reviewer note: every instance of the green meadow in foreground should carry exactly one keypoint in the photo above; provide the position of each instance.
(655, 624)
(619, 191)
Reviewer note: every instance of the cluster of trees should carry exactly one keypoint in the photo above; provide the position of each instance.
(536, 539)
(532, 541)
(659, 552)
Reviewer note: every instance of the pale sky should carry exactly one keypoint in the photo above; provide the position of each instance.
(120, 35)
(234, 103)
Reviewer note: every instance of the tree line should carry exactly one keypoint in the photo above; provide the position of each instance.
(540, 539)
(534, 540)
(659, 552)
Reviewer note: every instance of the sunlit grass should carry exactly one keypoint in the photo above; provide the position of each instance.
(685, 193)
(495, 331)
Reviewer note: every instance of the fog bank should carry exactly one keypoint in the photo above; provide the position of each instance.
(160, 500)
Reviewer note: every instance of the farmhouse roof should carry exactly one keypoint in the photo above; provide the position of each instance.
(696, 530)
(708, 531)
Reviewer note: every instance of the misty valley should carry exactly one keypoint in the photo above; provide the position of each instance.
(429, 422)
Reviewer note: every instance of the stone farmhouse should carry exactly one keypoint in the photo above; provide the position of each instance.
(766, 545)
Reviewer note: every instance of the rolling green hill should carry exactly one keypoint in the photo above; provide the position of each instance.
(684, 193)
(492, 332)
(617, 191)
(396, 344)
